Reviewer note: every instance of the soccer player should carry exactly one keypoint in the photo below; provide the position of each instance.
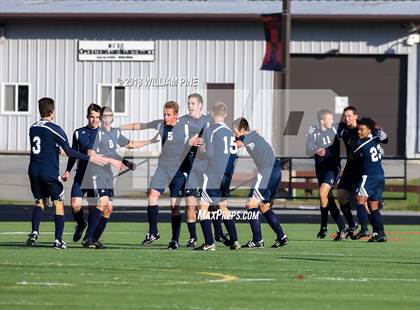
(220, 149)
(323, 144)
(348, 133)
(46, 139)
(261, 196)
(194, 165)
(80, 143)
(167, 173)
(371, 185)
(106, 142)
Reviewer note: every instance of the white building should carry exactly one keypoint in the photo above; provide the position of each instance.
(364, 50)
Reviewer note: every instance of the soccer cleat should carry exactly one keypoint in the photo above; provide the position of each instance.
(279, 243)
(361, 234)
(192, 243)
(352, 231)
(59, 245)
(340, 235)
(99, 245)
(322, 233)
(206, 247)
(89, 244)
(235, 246)
(374, 237)
(32, 238)
(78, 231)
(223, 239)
(150, 238)
(381, 238)
(173, 245)
(254, 244)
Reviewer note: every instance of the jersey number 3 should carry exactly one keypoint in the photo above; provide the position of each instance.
(375, 153)
(36, 149)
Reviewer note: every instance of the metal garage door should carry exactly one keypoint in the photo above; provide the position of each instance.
(375, 85)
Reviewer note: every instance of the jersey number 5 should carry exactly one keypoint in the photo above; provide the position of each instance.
(36, 149)
(232, 146)
(375, 153)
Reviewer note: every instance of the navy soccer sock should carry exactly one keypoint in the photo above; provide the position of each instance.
(324, 217)
(100, 228)
(217, 225)
(79, 217)
(231, 228)
(255, 224)
(176, 226)
(59, 226)
(274, 223)
(335, 214)
(346, 209)
(377, 219)
(93, 224)
(152, 216)
(208, 234)
(372, 222)
(362, 216)
(36, 218)
(192, 230)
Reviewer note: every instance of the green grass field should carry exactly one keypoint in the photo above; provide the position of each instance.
(306, 274)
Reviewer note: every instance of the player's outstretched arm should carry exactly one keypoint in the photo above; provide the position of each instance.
(101, 161)
(133, 126)
(133, 144)
(141, 126)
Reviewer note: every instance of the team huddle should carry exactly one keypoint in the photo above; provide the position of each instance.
(197, 162)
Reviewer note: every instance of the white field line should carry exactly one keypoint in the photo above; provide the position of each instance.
(366, 279)
(44, 283)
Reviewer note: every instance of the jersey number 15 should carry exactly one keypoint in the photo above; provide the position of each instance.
(231, 147)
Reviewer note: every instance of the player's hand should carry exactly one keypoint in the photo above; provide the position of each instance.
(321, 152)
(65, 176)
(195, 141)
(239, 144)
(155, 139)
(119, 165)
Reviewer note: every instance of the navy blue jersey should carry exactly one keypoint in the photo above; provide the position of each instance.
(106, 143)
(221, 149)
(81, 143)
(368, 151)
(193, 126)
(46, 138)
(350, 138)
(326, 139)
(259, 149)
(173, 142)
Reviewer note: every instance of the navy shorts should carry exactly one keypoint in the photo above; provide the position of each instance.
(103, 185)
(194, 182)
(215, 188)
(349, 179)
(371, 186)
(79, 192)
(45, 186)
(328, 175)
(266, 183)
(168, 177)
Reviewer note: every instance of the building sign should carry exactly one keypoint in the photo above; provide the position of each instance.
(116, 50)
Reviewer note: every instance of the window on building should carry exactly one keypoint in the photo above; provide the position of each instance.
(15, 98)
(112, 96)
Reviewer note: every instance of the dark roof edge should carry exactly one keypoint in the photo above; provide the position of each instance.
(202, 17)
